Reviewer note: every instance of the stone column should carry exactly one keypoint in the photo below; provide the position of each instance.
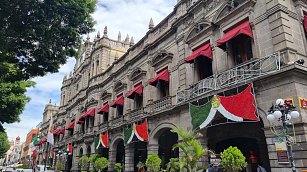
(129, 158)
(112, 159)
(152, 148)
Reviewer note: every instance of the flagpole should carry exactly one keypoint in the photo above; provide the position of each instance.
(46, 156)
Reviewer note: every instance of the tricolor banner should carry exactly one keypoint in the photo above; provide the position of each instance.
(140, 130)
(235, 108)
(103, 139)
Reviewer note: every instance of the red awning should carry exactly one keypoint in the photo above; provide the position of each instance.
(137, 90)
(91, 112)
(80, 121)
(118, 101)
(204, 51)
(71, 126)
(305, 23)
(62, 130)
(57, 131)
(105, 108)
(163, 75)
(243, 28)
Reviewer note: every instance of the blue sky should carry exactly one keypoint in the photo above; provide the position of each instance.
(127, 16)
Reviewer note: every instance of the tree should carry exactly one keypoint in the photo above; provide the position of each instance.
(101, 164)
(59, 166)
(153, 163)
(4, 144)
(173, 165)
(93, 159)
(84, 162)
(192, 150)
(233, 160)
(36, 37)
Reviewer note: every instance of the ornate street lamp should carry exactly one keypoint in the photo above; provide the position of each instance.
(284, 112)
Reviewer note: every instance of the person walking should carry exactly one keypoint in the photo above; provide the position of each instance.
(260, 168)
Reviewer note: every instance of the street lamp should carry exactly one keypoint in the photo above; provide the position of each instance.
(284, 112)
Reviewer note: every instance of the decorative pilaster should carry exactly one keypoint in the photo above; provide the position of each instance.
(112, 159)
(152, 148)
(129, 158)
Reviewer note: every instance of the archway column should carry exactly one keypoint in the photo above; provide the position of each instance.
(112, 159)
(204, 142)
(152, 148)
(129, 158)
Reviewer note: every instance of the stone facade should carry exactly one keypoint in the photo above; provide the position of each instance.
(108, 68)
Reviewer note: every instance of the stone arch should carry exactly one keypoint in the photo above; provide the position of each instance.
(116, 140)
(137, 74)
(196, 29)
(262, 116)
(221, 12)
(154, 134)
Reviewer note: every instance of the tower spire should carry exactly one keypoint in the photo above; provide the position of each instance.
(131, 41)
(151, 24)
(119, 38)
(105, 32)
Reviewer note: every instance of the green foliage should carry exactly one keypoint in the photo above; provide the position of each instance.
(101, 163)
(93, 159)
(192, 150)
(4, 144)
(153, 163)
(59, 166)
(36, 36)
(118, 167)
(232, 159)
(140, 165)
(84, 162)
(173, 165)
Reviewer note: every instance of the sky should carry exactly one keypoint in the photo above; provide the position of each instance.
(126, 16)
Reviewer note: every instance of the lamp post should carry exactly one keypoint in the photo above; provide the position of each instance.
(284, 112)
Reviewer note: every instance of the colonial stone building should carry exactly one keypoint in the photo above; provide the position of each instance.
(203, 48)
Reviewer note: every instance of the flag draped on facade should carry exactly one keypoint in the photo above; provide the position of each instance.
(69, 147)
(50, 132)
(235, 108)
(140, 130)
(103, 139)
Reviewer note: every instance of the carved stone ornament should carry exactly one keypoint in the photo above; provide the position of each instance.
(201, 27)
(92, 101)
(105, 95)
(137, 74)
(119, 86)
(161, 58)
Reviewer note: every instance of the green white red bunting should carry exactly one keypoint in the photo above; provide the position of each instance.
(138, 130)
(69, 147)
(103, 140)
(235, 108)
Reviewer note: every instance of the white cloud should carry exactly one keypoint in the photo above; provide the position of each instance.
(127, 16)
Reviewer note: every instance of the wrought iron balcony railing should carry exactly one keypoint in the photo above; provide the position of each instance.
(240, 74)
(117, 122)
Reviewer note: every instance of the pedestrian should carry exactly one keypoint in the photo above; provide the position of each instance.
(211, 169)
(260, 168)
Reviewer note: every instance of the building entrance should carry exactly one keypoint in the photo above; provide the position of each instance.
(166, 141)
(247, 136)
(140, 153)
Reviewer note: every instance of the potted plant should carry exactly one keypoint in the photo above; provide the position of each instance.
(59, 166)
(153, 163)
(118, 167)
(193, 152)
(141, 167)
(232, 160)
(101, 164)
(84, 162)
(173, 165)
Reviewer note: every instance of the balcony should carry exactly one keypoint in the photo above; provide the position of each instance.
(117, 122)
(242, 73)
(103, 126)
(162, 104)
(137, 114)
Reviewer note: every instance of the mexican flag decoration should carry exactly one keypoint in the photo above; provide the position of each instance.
(69, 147)
(141, 130)
(103, 139)
(128, 133)
(235, 108)
(138, 129)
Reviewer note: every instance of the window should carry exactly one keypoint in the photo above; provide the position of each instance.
(241, 48)
(119, 110)
(97, 67)
(163, 88)
(105, 117)
(138, 101)
(203, 67)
